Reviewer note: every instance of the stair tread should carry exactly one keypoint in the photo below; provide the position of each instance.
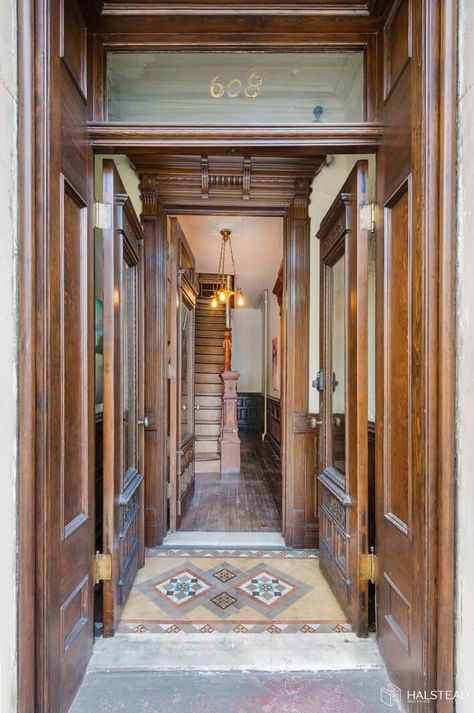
(207, 456)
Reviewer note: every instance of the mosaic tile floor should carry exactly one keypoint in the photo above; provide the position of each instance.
(243, 591)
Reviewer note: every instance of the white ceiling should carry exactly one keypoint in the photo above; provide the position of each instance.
(257, 244)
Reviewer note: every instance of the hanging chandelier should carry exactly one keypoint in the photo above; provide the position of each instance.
(222, 293)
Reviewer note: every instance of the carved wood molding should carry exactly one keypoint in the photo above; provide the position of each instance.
(351, 8)
(226, 180)
(149, 192)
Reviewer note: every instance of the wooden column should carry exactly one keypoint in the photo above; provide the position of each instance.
(296, 280)
(155, 466)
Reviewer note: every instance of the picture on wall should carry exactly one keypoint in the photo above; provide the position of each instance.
(275, 365)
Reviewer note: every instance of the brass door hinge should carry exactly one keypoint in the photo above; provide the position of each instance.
(369, 567)
(102, 567)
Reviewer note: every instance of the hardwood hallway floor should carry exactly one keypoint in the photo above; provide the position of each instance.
(248, 502)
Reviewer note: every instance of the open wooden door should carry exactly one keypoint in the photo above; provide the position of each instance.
(182, 407)
(123, 396)
(342, 381)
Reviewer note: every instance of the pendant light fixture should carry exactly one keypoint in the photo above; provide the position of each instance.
(222, 293)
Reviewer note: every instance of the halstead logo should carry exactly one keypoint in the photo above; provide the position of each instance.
(390, 695)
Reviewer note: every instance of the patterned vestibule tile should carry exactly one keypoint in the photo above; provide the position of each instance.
(179, 589)
(269, 591)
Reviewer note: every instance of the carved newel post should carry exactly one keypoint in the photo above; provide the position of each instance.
(230, 442)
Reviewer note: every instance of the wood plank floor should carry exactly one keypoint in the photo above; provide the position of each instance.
(248, 502)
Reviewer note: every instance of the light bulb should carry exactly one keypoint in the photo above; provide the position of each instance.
(214, 303)
(222, 296)
(240, 299)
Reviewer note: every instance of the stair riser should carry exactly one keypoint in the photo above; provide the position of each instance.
(210, 359)
(211, 466)
(214, 401)
(208, 369)
(209, 378)
(209, 415)
(208, 446)
(204, 429)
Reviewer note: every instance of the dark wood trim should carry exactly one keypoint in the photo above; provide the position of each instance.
(320, 8)
(27, 623)
(324, 138)
(156, 379)
(446, 356)
(274, 423)
(246, 401)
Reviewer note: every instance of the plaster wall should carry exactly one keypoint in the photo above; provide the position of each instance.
(8, 354)
(465, 361)
(247, 348)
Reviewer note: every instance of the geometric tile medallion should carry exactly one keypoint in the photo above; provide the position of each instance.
(266, 588)
(224, 600)
(224, 575)
(181, 587)
(269, 591)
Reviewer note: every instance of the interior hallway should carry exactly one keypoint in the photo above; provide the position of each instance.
(249, 501)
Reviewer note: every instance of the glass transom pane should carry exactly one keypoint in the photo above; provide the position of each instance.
(235, 87)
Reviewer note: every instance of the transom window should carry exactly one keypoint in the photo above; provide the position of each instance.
(236, 87)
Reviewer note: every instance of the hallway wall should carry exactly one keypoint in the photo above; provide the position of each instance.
(247, 348)
(465, 351)
(8, 353)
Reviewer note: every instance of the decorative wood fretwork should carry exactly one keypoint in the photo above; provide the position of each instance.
(186, 474)
(210, 181)
(197, 181)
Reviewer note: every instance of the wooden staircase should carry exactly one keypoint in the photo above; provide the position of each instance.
(208, 366)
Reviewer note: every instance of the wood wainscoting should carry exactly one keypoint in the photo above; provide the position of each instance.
(274, 422)
(249, 411)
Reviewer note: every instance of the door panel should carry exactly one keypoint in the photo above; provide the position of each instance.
(402, 431)
(182, 303)
(343, 483)
(123, 396)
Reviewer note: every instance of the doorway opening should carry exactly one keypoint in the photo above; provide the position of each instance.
(228, 359)
(247, 338)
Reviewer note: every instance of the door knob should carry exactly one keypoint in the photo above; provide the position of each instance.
(197, 407)
(313, 422)
(144, 422)
(184, 407)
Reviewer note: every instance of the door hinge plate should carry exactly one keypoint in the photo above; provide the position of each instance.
(368, 568)
(367, 217)
(102, 215)
(102, 567)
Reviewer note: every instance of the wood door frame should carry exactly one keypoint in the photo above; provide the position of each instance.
(34, 209)
(288, 199)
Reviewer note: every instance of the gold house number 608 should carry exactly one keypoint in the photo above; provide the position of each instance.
(235, 87)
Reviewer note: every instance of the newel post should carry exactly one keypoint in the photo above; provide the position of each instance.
(230, 441)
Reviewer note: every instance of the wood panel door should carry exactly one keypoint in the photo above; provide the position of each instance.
(123, 395)
(182, 406)
(343, 481)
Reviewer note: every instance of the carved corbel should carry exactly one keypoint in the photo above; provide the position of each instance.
(301, 197)
(149, 192)
(204, 177)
